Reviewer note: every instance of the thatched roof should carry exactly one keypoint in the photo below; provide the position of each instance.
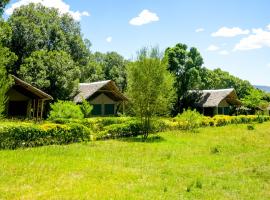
(31, 90)
(212, 98)
(108, 87)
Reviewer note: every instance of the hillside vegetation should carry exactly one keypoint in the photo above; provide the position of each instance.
(228, 162)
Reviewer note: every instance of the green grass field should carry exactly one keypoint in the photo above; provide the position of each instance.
(229, 162)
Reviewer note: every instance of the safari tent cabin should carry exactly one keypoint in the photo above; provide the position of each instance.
(25, 100)
(213, 102)
(105, 97)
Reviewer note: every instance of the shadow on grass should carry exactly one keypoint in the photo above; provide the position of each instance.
(150, 139)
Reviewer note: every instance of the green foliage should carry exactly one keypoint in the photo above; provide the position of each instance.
(129, 129)
(3, 4)
(185, 65)
(150, 87)
(250, 127)
(6, 58)
(65, 110)
(5, 33)
(31, 135)
(109, 66)
(189, 120)
(86, 108)
(218, 79)
(54, 72)
(254, 99)
(36, 27)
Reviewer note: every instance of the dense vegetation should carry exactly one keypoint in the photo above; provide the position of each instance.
(16, 134)
(223, 163)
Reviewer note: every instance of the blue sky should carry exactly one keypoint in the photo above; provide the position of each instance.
(233, 35)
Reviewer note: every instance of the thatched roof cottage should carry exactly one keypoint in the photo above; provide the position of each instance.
(25, 100)
(105, 97)
(213, 102)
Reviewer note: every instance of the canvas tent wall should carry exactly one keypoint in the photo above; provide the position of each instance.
(212, 102)
(25, 100)
(105, 97)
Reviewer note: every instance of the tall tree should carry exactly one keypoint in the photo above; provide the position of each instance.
(185, 65)
(36, 27)
(109, 66)
(254, 100)
(6, 58)
(218, 79)
(52, 71)
(150, 87)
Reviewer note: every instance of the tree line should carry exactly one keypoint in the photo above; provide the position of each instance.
(48, 50)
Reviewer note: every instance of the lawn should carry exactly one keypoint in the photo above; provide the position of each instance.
(228, 162)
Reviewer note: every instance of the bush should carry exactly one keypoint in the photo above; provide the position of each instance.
(250, 127)
(189, 120)
(86, 108)
(31, 135)
(130, 129)
(65, 110)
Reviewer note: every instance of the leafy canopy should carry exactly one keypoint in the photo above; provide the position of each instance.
(185, 65)
(54, 72)
(6, 58)
(3, 4)
(36, 27)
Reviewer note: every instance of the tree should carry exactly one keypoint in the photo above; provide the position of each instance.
(254, 99)
(5, 33)
(6, 58)
(93, 71)
(3, 4)
(115, 69)
(150, 87)
(109, 66)
(218, 79)
(36, 27)
(54, 72)
(185, 65)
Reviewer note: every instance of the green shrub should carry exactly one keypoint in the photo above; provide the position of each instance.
(132, 128)
(86, 108)
(189, 120)
(65, 110)
(31, 135)
(250, 127)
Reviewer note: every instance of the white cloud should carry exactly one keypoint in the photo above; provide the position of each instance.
(268, 27)
(223, 52)
(59, 4)
(229, 32)
(109, 39)
(144, 17)
(199, 30)
(259, 39)
(212, 48)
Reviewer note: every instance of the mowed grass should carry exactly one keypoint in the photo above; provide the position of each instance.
(229, 162)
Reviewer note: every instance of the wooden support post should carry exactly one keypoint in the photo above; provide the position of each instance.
(42, 107)
(34, 108)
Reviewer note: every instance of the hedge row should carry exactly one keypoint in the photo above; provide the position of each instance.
(218, 120)
(26, 134)
(18, 135)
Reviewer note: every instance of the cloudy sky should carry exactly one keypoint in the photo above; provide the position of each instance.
(231, 34)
